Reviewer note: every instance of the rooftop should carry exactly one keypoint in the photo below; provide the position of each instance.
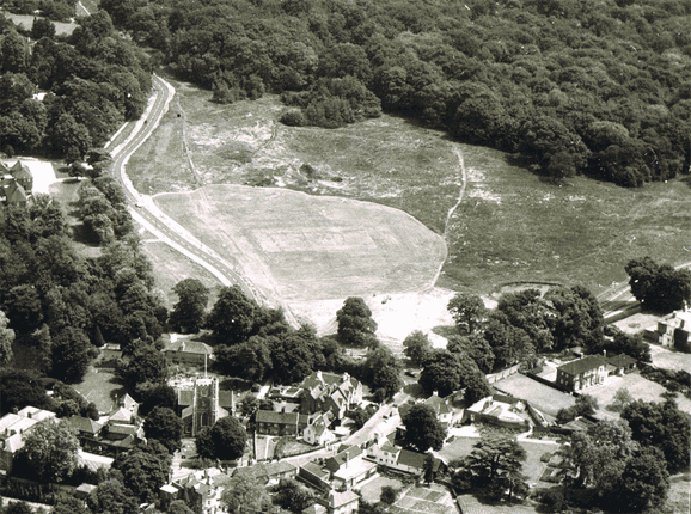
(582, 365)
(270, 416)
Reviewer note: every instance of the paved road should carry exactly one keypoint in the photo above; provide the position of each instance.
(147, 214)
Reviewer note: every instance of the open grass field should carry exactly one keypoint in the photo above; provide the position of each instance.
(509, 226)
(542, 397)
(99, 386)
(297, 247)
(424, 500)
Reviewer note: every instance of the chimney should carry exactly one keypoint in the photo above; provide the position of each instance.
(319, 375)
(435, 393)
(604, 352)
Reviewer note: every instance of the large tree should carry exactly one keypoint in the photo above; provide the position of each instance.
(441, 373)
(49, 452)
(494, 466)
(146, 364)
(468, 311)
(187, 315)
(356, 326)
(228, 437)
(659, 287)
(422, 429)
(416, 347)
(476, 347)
(232, 318)
(144, 470)
(662, 426)
(165, 426)
(111, 497)
(71, 352)
(644, 483)
(293, 496)
(245, 495)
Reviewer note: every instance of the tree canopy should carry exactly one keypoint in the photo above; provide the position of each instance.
(422, 429)
(659, 287)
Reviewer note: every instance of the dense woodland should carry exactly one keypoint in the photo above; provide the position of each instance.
(95, 79)
(601, 88)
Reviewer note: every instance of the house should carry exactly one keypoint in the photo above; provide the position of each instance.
(620, 364)
(348, 468)
(387, 454)
(271, 422)
(346, 502)
(83, 427)
(21, 174)
(317, 431)
(203, 489)
(337, 393)
(446, 414)
(185, 353)
(316, 476)
(675, 330)
(268, 473)
(111, 352)
(500, 410)
(582, 373)
(200, 402)
(13, 429)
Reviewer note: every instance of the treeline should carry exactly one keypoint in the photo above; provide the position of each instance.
(59, 305)
(601, 88)
(95, 78)
(58, 10)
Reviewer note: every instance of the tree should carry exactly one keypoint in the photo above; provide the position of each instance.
(245, 495)
(23, 307)
(468, 311)
(422, 429)
(643, 484)
(621, 399)
(387, 379)
(165, 426)
(179, 507)
(494, 465)
(19, 389)
(18, 508)
(476, 347)
(69, 504)
(144, 469)
(204, 444)
(188, 313)
(441, 373)
(388, 495)
(111, 497)
(6, 340)
(151, 395)
(50, 451)
(146, 364)
(293, 496)
(662, 426)
(71, 352)
(659, 287)
(416, 347)
(476, 387)
(232, 317)
(228, 437)
(356, 326)
(41, 27)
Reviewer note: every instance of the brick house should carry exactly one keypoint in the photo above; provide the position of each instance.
(582, 373)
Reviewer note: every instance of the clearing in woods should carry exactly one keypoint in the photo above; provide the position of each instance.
(509, 226)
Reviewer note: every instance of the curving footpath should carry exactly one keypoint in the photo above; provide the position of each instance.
(144, 211)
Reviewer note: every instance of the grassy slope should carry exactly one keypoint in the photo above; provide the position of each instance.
(510, 225)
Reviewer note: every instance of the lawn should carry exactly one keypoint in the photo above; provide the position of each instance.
(27, 21)
(510, 225)
(544, 398)
(371, 490)
(471, 505)
(99, 386)
(668, 359)
(425, 500)
(638, 387)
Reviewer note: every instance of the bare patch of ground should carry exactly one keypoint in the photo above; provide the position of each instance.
(304, 249)
(638, 322)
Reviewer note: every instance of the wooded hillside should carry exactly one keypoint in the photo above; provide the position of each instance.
(600, 87)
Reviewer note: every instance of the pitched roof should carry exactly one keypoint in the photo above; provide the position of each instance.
(271, 416)
(20, 171)
(15, 193)
(192, 347)
(413, 459)
(338, 499)
(316, 470)
(226, 398)
(622, 360)
(83, 424)
(185, 396)
(582, 365)
(122, 414)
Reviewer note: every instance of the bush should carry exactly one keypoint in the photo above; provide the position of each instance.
(293, 119)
